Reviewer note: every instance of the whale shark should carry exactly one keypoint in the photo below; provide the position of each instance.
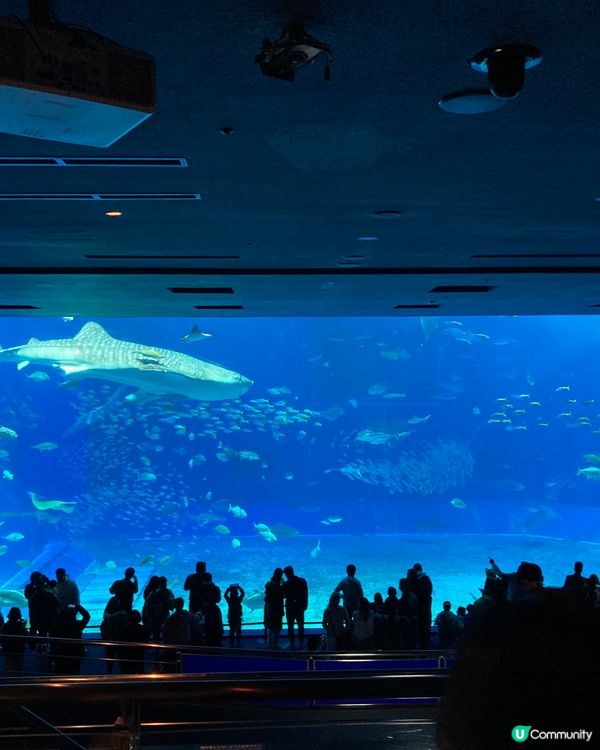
(93, 353)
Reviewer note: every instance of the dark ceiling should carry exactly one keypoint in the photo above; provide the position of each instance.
(504, 202)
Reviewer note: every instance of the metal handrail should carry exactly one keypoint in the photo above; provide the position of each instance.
(238, 651)
(232, 688)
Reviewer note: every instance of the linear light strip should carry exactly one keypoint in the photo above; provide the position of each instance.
(218, 307)
(535, 256)
(201, 290)
(100, 197)
(163, 257)
(93, 161)
(299, 272)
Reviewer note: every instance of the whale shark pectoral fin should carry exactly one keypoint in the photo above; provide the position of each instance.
(150, 365)
(22, 364)
(71, 369)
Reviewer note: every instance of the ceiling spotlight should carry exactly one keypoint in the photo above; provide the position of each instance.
(113, 213)
(295, 50)
(505, 66)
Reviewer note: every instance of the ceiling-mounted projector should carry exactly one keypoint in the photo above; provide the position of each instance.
(65, 83)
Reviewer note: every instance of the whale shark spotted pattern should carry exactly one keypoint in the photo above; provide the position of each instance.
(94, 353)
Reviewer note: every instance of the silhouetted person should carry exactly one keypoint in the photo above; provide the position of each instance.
(461, 623)
(114, 620)
(363, 626)
(213, 625)
(447, 624)
(575, 581)
(158, 604)
(131, 658)
(13, 639)
(534, 663)
(43, 607)
(423, 590)
(66, 589)
(67, 656)
(126, 588)
(193, 583)
(176, 631)
(33, 582)
(379, 622)
(407, 608)
(591, 594)
(209, 592)
(336, 623)
(148, 589)
(150, 586)
(295, 591)
(273, 612)
(234, 596)
(393, 619)
(495, 588)
(177, 628)
(350, 588)
(523, 583)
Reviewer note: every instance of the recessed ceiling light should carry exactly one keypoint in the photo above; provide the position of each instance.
(113, 213)
(387, 214)
(367, 238)
(91, 161)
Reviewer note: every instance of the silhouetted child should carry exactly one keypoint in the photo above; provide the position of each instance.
(234, 595)
(13, 638)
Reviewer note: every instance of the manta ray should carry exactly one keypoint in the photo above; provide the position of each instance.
(94, 353)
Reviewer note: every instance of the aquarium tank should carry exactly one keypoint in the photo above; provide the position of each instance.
(254, 443)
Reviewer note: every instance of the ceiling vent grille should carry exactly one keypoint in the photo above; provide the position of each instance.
(92, 161)
(201, 290)
(467, 289)
(431, 306)
(100, 197)
(387, 214)
(18, 307)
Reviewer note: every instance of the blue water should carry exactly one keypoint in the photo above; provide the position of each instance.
(391, 441)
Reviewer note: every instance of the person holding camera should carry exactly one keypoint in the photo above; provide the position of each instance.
(234, 595)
